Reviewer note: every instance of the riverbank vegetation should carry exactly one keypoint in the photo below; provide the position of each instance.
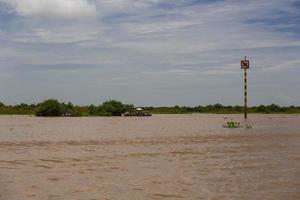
(53, 107)
(222, 109)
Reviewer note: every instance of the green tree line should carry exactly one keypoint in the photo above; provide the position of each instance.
(223, 109)
(53, 107)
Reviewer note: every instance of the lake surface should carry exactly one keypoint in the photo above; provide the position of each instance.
(158, 157)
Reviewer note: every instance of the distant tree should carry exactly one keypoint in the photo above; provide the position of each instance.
(218, 106)
(69, 110)
(262, 109)
(2, 104)
(92, 109)
(237, 108)
(274, 108)
(50, 108)
(113, 108)
(199, 109)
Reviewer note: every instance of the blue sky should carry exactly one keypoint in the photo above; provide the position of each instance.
(149, 52)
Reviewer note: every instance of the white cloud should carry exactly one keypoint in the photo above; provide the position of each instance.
(58, 35)
(68, 9)
(146, 39)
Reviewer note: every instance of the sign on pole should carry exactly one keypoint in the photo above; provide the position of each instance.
(245, 64)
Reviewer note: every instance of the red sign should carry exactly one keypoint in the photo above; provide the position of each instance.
(245, 64)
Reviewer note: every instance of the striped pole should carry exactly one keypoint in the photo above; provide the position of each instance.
(245, 64)
(245, 93)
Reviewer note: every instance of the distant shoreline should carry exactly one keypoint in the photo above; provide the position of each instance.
(155, 114)
(53, 107)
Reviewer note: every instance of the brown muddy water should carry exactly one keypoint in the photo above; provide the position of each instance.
(161, 157)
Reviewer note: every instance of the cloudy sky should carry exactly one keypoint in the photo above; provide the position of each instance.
(149, 52)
